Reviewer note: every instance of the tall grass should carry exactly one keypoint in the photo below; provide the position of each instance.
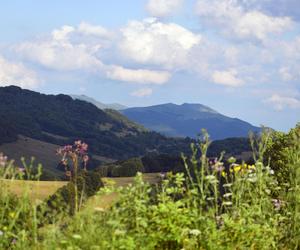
(215, 204)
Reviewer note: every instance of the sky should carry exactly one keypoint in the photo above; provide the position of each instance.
(239, 57)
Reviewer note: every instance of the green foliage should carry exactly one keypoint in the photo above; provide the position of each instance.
(125, 168)
(277, 153)
(207, 207)
(40, 116)
(192, 212)
(63, 201)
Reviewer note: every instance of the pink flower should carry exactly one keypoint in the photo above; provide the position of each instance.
(85, 158)
(21, 170)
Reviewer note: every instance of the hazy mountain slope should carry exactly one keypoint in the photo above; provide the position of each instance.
(187, 120)
(60, 119)
(100, 105)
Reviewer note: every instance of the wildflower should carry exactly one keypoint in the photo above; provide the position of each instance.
(223, 173)
(277, 204)
(195, 232)
(237, 168)
(220, 221)
(99, 209)
(227, 195)
(76, 236)
(21, 170)
(227, 203)
(231, 160)
(210, 177)
(119, 232)
(3, 160)
(12, 214)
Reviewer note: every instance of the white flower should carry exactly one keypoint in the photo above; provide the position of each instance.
(195, 232)
(227, 195)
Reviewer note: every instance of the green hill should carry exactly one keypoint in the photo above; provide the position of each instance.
(58, 119)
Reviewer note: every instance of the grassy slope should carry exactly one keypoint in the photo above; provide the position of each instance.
(40, 190)
(37, 190)
(43, 152)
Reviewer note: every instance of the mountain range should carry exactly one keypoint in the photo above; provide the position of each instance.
(184, 120)
(35, 124)
(100, 105)
(27, 116)
(188, 120)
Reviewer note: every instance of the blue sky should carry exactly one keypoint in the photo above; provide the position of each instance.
(240, 57)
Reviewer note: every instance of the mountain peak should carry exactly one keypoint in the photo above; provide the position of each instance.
(188, 119)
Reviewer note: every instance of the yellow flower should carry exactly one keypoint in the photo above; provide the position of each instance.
(237, 168)
(12, 214)
(251, 167)
(223, 173)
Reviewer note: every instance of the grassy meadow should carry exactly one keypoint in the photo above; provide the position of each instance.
(213, 204)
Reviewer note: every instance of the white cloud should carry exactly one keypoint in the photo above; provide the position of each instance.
(142, 76)
(89, 29)
(162, 8)
(142, 92)
(280, 102)
(62, 33)
(61, 52)
(154, 42)
(227, 78)
(17, 74)
(285, 74)
(235, 20)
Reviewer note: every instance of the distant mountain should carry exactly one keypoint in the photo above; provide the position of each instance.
(59, 120)
(100, 105)
(35, 124)
(187, 120)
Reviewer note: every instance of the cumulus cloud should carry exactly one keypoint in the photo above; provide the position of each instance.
(61, 51)
(280, 102)
(142, 92)
(153, 42)
(235, 20)
(228, 78)
(16, 74)
(278, 8)
(285, 74)
(162, 8)
(142, 76)
(89, 29)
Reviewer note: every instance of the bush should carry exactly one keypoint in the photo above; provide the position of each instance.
(63, 201)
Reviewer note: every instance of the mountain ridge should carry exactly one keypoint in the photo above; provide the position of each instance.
(187, 119)
(100, 105)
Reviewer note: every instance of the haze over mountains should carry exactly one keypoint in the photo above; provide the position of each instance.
(60, 120)
(35, 124)
(188, 120)
(100, 105)
(184, 120)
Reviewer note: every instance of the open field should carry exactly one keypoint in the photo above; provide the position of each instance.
(40, 190)
(105, 201)
(37, 190)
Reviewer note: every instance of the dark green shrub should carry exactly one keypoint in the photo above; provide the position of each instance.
(63, 201)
